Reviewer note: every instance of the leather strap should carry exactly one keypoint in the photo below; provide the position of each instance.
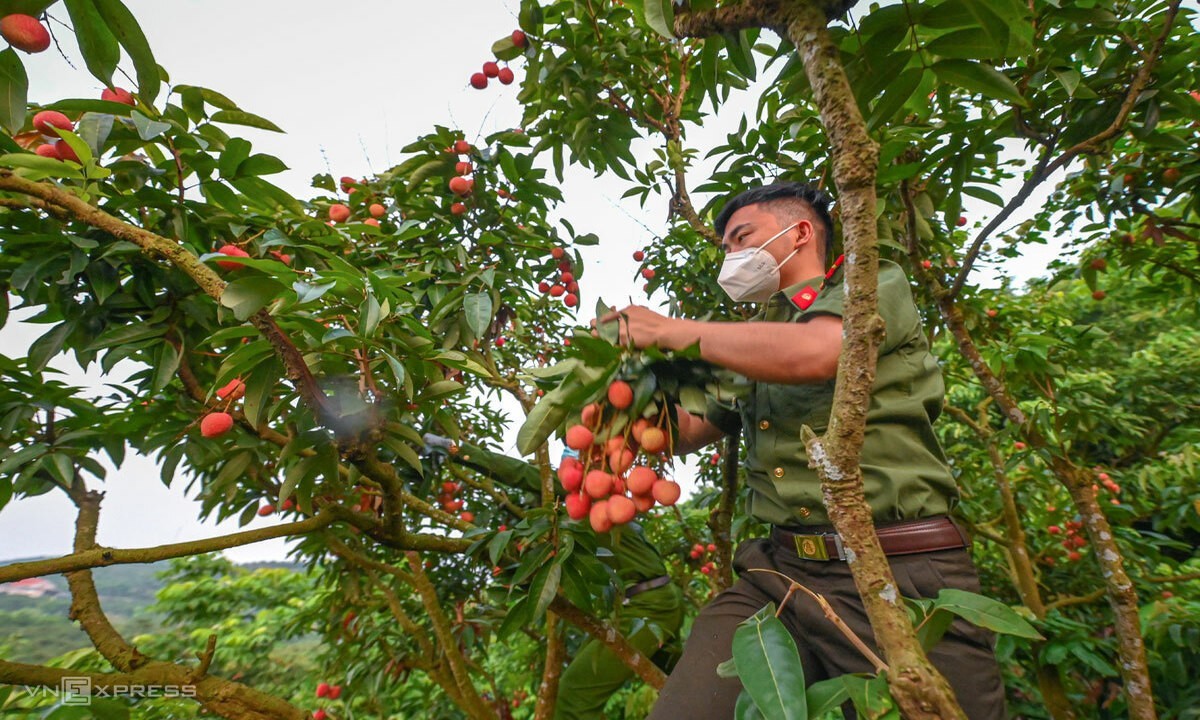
(643, 586)
(901, 538)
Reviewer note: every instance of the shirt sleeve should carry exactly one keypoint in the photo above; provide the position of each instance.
(724, 415)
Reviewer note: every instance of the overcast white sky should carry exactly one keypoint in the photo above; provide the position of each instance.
(350, 83)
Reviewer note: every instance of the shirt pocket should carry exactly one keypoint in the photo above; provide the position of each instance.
(793, 406)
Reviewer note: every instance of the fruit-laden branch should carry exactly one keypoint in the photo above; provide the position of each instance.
(919, 689)
(222, 697)
(1092, 145)
(612, 639)
(209, 282)
(1121, 592)
(103, 556)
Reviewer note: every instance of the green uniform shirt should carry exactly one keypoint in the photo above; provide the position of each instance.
(904, 469)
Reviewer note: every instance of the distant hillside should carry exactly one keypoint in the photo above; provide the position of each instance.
(34, 630)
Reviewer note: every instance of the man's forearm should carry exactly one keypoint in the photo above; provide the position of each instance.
(789, 353)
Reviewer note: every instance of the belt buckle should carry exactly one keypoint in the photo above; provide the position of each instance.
(811, 547)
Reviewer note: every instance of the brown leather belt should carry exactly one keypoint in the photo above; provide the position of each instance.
(643, 586)
(900, 538)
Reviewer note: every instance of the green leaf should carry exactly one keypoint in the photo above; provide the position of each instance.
(260, 386)
(127, 31)
(826, 696)
(479, 311)
(262, 164)
(308, 293)
(43, 350)
(235, 152)
(980, 78)
(93, 129)
(897, 94)
(165, 366)
(126, 335)
(148, 129)
(14, 90)
(548, 414)
(985, 612)
(240, 117)
(246, 296)
(660, 16)
(97, 43)
(745, 709)
(43, 166)
(769, 666)
(969, 43)
(871, 697)
(933, 627)
(544, 587)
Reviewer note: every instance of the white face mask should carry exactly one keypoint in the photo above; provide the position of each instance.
(752, 275)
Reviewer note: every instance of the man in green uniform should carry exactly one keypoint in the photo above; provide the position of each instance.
(776, 239)
(652, 609)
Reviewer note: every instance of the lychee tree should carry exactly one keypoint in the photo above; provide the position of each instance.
(288, 353)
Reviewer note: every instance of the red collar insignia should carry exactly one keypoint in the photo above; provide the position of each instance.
(804, 298)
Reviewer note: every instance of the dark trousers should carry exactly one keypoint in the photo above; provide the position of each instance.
(965, 655)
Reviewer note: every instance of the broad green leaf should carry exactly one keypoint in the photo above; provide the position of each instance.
(43, 350)
(769, 665)
(897, 94)
(248, 295)
(660, 16)
(307, 293)
(478, 310)
(369, 316)
(148, 129)
(93, 129)
(985, 612)
(241, 117)
(14, 89)
(260, 386)
(826, 696)
(871, 697)
(97, 44)
(82, 151)
(933, 627)
(127, 31)
(42, 166)
(125, 335)
(544, 587)
(971, 43)
(545, 417)
(745, 709)
(980, 78)
(235, 152)
(165, 366)
(261, 164)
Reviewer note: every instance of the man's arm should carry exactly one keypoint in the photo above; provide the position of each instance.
(788, 353)
(694, 432)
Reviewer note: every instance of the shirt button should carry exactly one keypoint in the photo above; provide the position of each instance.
(764, 425)
(804, 512)
(778, 472)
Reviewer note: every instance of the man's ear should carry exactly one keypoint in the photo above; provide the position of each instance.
(805, 233)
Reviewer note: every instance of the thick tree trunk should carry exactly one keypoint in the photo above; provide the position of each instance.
(919, 689)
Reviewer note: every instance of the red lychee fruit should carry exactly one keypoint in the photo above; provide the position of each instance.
(266, 510)
(231, 251)
(460, 185)
(667, 492)
(578, 506)
(232, 390)
(339, 213)
(598, 484)
(570, 299)
(620, 395)
(376, 210)
(654, 440)
(641, 480)
(479, 81)
(598, 516)
(579, 437)
(216, 424)
(458, 209)
(118, 95)
(462, 147)
(491, 69)
(519, 39)
(505, 76)
(65, 151)
(24, 32)
(45, 122)
(620, 509)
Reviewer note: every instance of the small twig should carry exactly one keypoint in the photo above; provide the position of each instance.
(832, 616)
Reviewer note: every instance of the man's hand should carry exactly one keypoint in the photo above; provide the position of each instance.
(642, 327)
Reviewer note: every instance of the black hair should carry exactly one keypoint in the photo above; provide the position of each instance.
(814, 199)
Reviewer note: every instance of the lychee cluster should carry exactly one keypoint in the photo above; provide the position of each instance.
(563, 283)
(699, 551)
(604, 484)
(492, 70)
(450, 501)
